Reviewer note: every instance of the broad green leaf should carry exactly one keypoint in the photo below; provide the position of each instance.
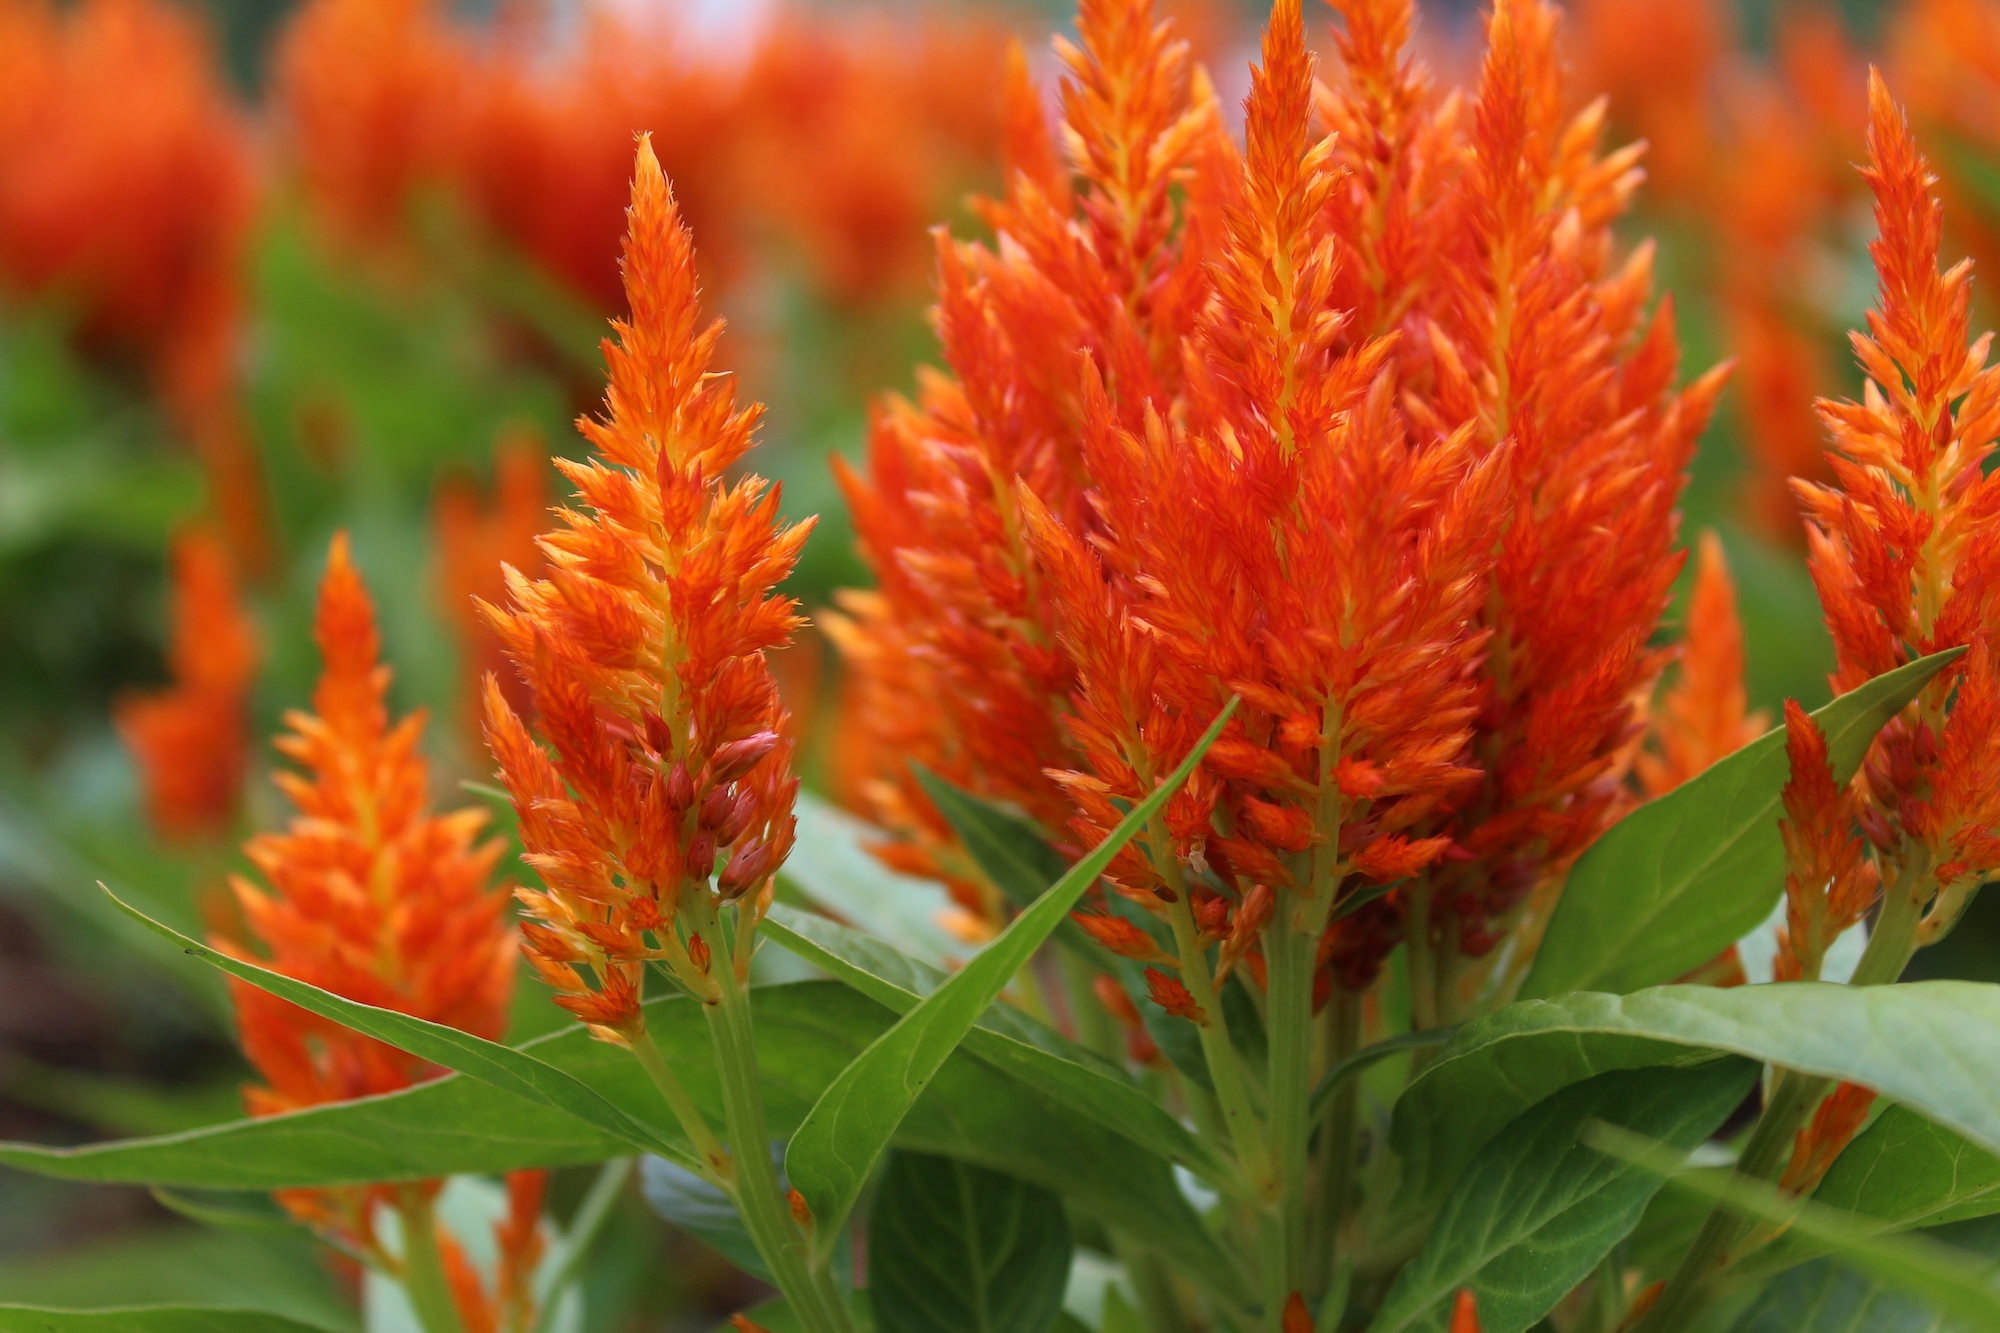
(1900, 1173)
(502, 1067)
(147, 1319)
(1830, 1297)
(954, 1249)
(1932, 1045)
(836, 1148)
(1004, 1037)
(701, 1209)
(1537, 1210)
(1684, 876)
(807, 1033)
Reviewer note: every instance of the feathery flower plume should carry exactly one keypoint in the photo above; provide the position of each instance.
(476, 540)
(368, 895)
(191, 740)
(1704, 715)
(1829, 883)
(661, 754)
(1543, 344)
(1905, 544)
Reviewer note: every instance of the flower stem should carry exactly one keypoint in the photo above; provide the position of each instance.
(709, 1148)
(1335, 1166)
(424, 1279)
(810, 1291)
(1288, 956)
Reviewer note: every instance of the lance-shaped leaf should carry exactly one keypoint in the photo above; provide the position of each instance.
(807, 1033)
(954, 1249)
(147, 1319)
(838, 1145)
(491, 1063)
(1004, 1037)
(1537, 1210)
(1900, 1173)
(1932, 1045)
(1683, 877)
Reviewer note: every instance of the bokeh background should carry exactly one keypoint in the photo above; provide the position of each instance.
(270, 269)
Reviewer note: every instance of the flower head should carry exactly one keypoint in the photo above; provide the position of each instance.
(1704, 715)
(1829, 884)
(365, 893)
(191, 739)
(477, 540)
(661, 784)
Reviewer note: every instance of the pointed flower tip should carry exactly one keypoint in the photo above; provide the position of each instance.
(1465, 1313)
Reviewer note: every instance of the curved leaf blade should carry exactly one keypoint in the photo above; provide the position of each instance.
(1932, 1045)
(954, 1249)
(1683, 877)
(1537, 1209)
(1003, 1037)
(499, 1066)
(147, 1319)
(847, 1130)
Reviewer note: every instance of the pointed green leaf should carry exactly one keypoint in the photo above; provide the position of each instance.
(836, 1148)
(1932, 1045)
(1004, 1037)
(1683, 877)
(1537, 1210)
(954, 1249)
(147, 1319)
(500, 1066)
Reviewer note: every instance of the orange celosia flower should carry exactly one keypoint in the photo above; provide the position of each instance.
(1828, 884)
(191, 740)
(1833, 1126)
(475, 541)
(126, 191)
(1658, 65)
(366, 895)
(1905, 547)
(1705, 715)
(644, 648)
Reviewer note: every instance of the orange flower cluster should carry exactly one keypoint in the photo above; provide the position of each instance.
(126, 191)
(1704, 716)
(839, 141)
(1833, 1126)
(365, 894)
(1360, 422)
(190, 740)
(1946, 59)
(1905, 546)
(644, 646)
(1829, 884)
(475, 541)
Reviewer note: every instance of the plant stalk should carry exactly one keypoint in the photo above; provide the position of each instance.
(1334, 1167)
(714, 1157)
(809, 1290)
(424, 1279)
(1288, 956)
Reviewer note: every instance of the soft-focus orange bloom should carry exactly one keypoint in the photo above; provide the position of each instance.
(1658, 64)
(1829, 885)
(1465, 1313)
(1704, 716)
(644, 647)
(191, 740)
(475, 540)
(1905, 546)
(1945, 55)
(126, 191)
(364, 894)
(1833, 1126)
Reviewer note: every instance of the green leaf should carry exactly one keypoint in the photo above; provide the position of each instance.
(807, 1032)
(1537, 1210)
(831, 865)
(491, 1063)
(1900, 1173)
(836, 1148)
(702, 1210)
(1931, 1045)
(1830, 1297)
(1003, 1037)
(147, 1319)
(954, 1249)
(1683, 877)
(1359, 1063)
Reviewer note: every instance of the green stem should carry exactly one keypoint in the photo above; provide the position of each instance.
(714, 1157)
(424, 1279)
(1339, 1126)
(1095, 1028)
(1423, 958)
(584, 1227)
(1894, 940)
(809, 1290)
(1687, 1292)
(1159, 1308)
(1288, 957)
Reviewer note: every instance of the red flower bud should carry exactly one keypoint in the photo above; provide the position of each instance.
(701, 857)
(732, 761)
(748, 867)
(680, 787)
